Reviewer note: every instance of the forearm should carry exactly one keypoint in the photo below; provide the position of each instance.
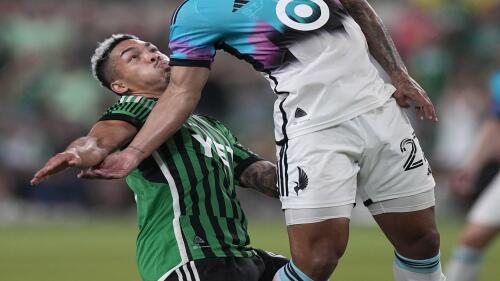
(88, 150)
(261, 176)
(168, 115)
(380, 43)
(484, 148)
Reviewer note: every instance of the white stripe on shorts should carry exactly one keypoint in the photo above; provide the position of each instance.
(195, 271)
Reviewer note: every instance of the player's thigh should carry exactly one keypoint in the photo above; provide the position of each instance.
(319, 169)
(486, 211)
(393, 163)
(324, 240)
(216, 269)
(413, 234)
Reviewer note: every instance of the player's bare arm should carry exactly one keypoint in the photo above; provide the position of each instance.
(462, 180)
(86, 152)
(171, 111)
(260, 176)
(384, 51)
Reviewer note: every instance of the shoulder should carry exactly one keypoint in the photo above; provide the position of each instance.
(184, 9)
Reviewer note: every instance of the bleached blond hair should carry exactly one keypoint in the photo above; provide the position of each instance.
(101, 55)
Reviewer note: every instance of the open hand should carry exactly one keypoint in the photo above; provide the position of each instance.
(56, 164)
(115, 166)
(408, 91)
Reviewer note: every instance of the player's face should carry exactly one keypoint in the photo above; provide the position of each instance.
(141, 66)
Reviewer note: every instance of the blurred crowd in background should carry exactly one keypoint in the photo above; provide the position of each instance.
(49, 96)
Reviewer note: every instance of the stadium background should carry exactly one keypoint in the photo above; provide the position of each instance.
(67, 229)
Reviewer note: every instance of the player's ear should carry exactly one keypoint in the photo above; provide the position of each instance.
(119, 87)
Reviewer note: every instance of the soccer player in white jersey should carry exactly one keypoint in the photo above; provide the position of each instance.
(339, 131)
(484, 219)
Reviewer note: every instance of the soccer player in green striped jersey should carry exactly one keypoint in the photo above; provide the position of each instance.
(191, 224)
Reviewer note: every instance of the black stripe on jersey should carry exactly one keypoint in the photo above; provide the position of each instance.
(136, 107)
(146, 109)
(193, 194)
(122, 117)
(284, 147)
(188, 62)
(231, 225)
(223, 183)
(222, 208)
(233, 51)
(128, 106)
(174, 16)
(210, 209)
(283, 126)
(275, 80)
(167, 157)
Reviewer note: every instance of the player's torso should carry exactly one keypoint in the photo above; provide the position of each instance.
(187, 186)
(311, 51)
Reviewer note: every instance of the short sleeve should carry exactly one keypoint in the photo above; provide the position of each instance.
(495, 94)
(192, 39)
(131, 109)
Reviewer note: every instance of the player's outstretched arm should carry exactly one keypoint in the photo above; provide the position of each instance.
(170, 112)
(88, 151)
(260, 176)
(384, 51)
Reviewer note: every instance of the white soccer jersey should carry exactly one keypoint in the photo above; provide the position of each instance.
(312, 52)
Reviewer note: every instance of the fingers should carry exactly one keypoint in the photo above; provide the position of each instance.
(419, 111)
(99, 174)
(37, 180)
(401, 99)
(424, 107)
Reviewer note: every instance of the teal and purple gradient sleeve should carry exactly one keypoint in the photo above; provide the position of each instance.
(192, 45)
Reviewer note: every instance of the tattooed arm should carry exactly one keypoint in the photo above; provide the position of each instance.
(260, 176)
(384, 51)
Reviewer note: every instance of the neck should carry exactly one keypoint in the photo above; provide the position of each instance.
(147, 94)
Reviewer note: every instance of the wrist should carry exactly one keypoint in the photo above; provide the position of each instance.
(135, 153)
(399, 75)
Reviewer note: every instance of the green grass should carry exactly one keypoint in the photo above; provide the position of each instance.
(105, 251)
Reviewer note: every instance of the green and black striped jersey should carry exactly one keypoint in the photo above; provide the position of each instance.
(185, 193)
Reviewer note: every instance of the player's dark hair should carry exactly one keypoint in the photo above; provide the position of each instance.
(100, 57)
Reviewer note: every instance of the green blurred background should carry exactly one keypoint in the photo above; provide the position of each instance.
(104, 250)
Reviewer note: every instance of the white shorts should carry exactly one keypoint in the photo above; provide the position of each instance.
(410, 203)
(375, 155)
(486, 211)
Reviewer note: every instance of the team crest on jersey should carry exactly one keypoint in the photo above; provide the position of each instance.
(302, 183)
(199, 242)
